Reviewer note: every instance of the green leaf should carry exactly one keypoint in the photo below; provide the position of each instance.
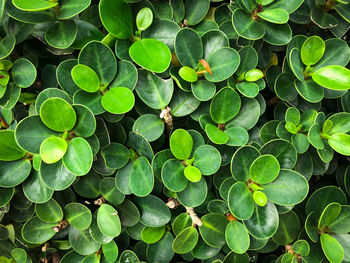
(110, 192)
(82, 242)
(340, 123)
(164, 30)
(126, 75)
(225, 105)
(144, 18)
(237, 237)
(128, 257)
(62, 34)
(36, 5)
(173, 175)
(35, 189)
(151, 235)
(185, 241)
(337, 53)
(260, 198)
(70, 8)
(340, 143)
(100, 59)
(86, 122)
(153, 211)
(53, 149)
(277, 34)
(207, 159)
(289, 188)
(314, 136)
(284, 152)
(6, 195)
(57, 114)
(194, 193)
(301, 247)
(223, 63)
(253, 75)
(329, 214)
(19, 254)
(188, 74)
(284, 89)
(78, 215)
(240, 201)
(296, 64)
(293, 115)
(49, 212)
(309, 90)
(181, 222)
(115, 155)
(241, 162)
(110, 251)
(188, 47)
(56, 176)
(183, 103)
(151, 54)
(264, 221)
(85, 78)
(277, 15)
(154, 91)
(193, 174)
(339, 224)
(212, 41)
(216, 135)
(248, 89)
(264, 169)
(14, 173)
(141, 179)
(116, 17)
(300, 142)
(118, 100)
(7, 45)
(181, 144)
(195, 11)
(108, 220)
(203, 90)
(288, 228)
(331, 248)
(333, 77)
(312, 50)
(9, 150)
(78, 158)
(36, 231)
(289, 6)
(213, 229)
(246, 26)
(23, 73)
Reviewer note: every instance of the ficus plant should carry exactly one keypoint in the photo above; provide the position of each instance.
(174, 131)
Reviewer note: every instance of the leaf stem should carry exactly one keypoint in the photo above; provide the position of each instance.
(109, 40)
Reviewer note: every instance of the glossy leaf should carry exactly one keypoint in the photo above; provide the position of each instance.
(151, 54)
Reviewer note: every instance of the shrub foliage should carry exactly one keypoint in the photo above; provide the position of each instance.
(174, 131)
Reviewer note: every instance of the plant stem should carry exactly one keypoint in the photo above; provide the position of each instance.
(168, 119)
(173, 203)
(109, 40)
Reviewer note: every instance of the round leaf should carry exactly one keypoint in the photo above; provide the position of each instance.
(78, 159)
(57, 114)
(116, 17)
(85, 78)
(237, 237)
(53, 149)
(264, 169)
(151, 54)
(118, 100)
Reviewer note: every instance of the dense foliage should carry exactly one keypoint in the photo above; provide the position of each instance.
(174, 131)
